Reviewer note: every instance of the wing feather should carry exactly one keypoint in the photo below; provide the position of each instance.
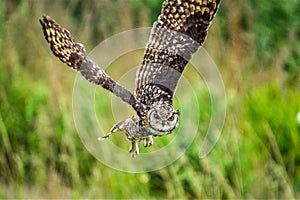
(177, 34)
(74, 55)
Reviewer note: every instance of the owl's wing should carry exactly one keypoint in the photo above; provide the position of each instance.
(74, 55)
(178, 33)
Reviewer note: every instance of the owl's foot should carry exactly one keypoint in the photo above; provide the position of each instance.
(134, 149)
(148, 141)
(114, 129)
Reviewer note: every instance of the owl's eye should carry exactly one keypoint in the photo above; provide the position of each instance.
(171, 118)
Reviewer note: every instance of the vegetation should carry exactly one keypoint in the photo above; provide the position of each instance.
(256, 47)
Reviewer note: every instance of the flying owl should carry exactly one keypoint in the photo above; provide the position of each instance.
(178, 33)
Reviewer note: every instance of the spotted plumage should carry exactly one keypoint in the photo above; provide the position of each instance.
(62, 44)
(177, 34)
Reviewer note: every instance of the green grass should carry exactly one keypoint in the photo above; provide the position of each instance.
(257, 155)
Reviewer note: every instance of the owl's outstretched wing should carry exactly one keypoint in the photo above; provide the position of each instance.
(177, 34)
(74, 55)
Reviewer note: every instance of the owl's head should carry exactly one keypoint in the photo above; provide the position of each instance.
(163, 118)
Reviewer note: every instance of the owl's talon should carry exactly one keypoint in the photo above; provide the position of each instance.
(148, 141)
(104, 137)
(134, 149)
(114, 129)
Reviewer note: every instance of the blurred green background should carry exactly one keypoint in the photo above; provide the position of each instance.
(256, 47)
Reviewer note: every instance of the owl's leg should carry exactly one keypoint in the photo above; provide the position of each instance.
(134, 149)
(115, 128)
(148, 141)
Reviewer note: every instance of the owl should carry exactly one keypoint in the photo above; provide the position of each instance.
(178, 33)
